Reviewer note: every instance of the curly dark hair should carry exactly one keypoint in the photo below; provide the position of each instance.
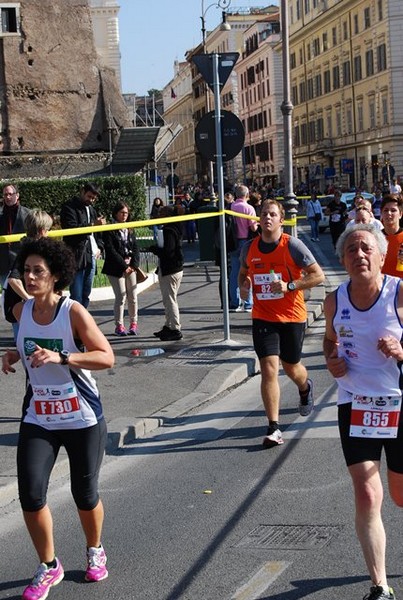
(59, 258)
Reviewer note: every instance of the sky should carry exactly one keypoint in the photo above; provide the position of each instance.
(155, 33)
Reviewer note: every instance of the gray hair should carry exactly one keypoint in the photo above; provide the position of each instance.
(380, 238)
(241, 191)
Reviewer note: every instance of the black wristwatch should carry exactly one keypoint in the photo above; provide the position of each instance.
(64, 357)
(291, 287)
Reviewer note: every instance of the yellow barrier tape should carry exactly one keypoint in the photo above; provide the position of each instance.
(16, 237)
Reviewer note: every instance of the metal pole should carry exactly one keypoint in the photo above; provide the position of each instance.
(290, 202)
(172, 182)
(220, 182)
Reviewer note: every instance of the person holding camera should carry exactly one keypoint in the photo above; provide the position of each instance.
(122, 258)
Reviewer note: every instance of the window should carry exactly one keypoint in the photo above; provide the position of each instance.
(336, 78)
(356, 26)
(326, 82)
(334, 36)
(381, 57)
(357, 68)
(304, 134)
(293, 62)
(298, 9)
(349, 119)
(338, 123)
(325, 43)
(380, 10)
(9, 18)
(302, 91)
(297, 138)
(385, 116)
(329, 125)
(311, 129)
(369, 62)
(309, 88)
(367, 18)
(294, 95)
(307, 5)
(308, 51)
(372, 114)
(316, 47)
(345, 31)
(360, 117)
(318, 85)
(346, 73)
(319, 129)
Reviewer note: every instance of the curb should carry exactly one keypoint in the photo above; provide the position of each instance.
(220, 378)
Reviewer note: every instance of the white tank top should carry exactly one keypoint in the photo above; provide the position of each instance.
(58, 396)
(369, 373)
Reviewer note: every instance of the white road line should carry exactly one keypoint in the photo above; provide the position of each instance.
(259, 583)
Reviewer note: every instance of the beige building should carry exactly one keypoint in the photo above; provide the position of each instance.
(346, 81)
(178, 109)
(259, 74)
(104, 14)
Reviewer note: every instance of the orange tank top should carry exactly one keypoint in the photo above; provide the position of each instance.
(391, 259)
(284, 308)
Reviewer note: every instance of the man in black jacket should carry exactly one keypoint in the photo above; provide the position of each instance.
(12, 220)
(80, 212)
(170, 272)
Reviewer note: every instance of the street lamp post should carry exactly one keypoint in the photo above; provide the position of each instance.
(223, 4)
(290, 201)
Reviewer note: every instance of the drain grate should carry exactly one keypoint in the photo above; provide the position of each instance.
(201, 353)
(289, 537)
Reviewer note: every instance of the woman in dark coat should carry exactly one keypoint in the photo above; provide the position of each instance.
(121, 259)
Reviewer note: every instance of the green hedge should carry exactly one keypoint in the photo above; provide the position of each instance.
(50, 194)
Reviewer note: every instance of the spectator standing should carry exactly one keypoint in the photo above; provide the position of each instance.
(12, 220)
(157, 203)
(122, 257)
(190, 226)
(80, 212)
(366, 366)
(391, 213)
(37, 224)
(170, 273)
(61, 407)
(243, 227)
(337, 211)
(376, 204)
(277, 268)
(395, 187)
(314, 215)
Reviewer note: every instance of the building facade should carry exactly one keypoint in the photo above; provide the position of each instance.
(104, 14)
(346, 62)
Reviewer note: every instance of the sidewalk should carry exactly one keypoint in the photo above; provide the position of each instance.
(154, 382)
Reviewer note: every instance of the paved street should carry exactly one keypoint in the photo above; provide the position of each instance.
(196, 509)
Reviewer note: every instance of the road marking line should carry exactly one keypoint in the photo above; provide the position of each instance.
(259, 583)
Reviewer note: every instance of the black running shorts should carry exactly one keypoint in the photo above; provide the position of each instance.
(278, 339)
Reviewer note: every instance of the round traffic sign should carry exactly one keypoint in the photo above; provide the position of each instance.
(232, 136)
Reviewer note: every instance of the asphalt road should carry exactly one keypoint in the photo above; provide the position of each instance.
(198, 511)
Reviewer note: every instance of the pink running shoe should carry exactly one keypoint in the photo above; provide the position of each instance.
(120, 330)
(96, 564)
(43, 580)
(133, 328)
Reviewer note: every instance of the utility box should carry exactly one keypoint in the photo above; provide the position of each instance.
(206, 229)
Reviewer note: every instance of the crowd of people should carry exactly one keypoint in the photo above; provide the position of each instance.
(59, 343)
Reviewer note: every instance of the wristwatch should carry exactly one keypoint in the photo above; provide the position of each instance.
(291, 287)
(64, 357)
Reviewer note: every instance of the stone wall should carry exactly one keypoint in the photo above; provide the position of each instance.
(54, 96)
(48, 165)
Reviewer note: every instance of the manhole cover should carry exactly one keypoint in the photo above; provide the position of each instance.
(204, 353)
(289, 537)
